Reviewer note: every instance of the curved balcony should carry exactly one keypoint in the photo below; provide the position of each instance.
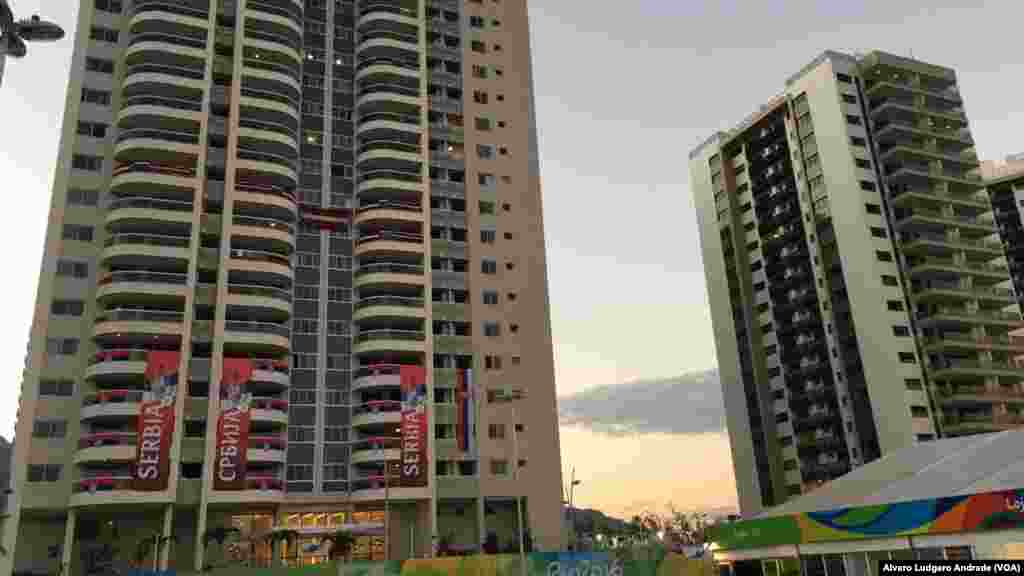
(276, 301)
(268, 336)
(388, 273)
(269, 228)
(156, 144)
(272, 372)
(389, 340)
(176, 11)
(387, 68)
(391, 185)
(370, 487)
(145, 107)
(140, 322)
(270, 410)
(377, 376)
(157, 74)
(136, 248)
(273, 71)
(389, 242)
(377, 450)
(275, 166)
(383, 152)
(267, 448)
(270, 11)
(383, 99)
(114, 404)
(377, 11)
(110, 489)
(125, 363)
(377, 414)
(152, 178)
(106, 447)
(147, 209)
(389, 211)
(260, 262)
(388, 307)
(257, 100)
(162, 48)
(142, 286)
(388, 121)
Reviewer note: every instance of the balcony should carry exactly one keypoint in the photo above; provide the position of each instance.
(377, 450)
(145, 247)
(377, 414)
(261, 262)
(271, 337)
(389, 242)
(954, 341)
(269, 301)
(981, 423)
(159, 211)
(938, 290)
(389, 211)
(951, 266)
(924, 243)
(819, 441)
(108, 404)
(135, 321)
(974, 395)
(388, 273)
(972, 369)
(377, 376)
(275, 372)
(957, 315)
(388, 307)
(116, 489)
(922, 215)
(269, 410)
(267, 448)
(127, 364)
(107, 447)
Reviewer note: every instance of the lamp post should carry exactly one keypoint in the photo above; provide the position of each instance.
(573, 483)
(14, 34)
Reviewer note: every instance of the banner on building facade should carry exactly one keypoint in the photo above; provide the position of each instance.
(155, 427)
(233, 425)
(414, 425)
(466, 402)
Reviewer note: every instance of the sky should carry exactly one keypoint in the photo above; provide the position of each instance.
(624, 90)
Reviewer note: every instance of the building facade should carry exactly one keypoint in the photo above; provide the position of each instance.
(294, 278)
(859, 292)
(1004, 182)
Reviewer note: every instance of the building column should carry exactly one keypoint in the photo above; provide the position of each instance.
(68, 548)
(200, 548)
(165, 537)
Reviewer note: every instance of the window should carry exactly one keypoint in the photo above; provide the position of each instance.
(49, 428)
(61, 346)
(511, 296)
(480, 72)
(489, 267)
(771, 350)
(482, 123)
(873, 208)
(92, 129)
(479, 97)
(894, 305)
(862, 163)
(488, 236)
(901, 331)
(485, 179)
(50, 387)
(925, 438)
(858, 141)
(510, 265)
(496, 431)
(490, 297)
(485, 151)
(913, 384)
(773, 372)
(77, 196)
(849, 98)
(908, 358)
(100, 34)
(112, 6)
(783, 417)
(492, 329)
(878, 232)
(486, 207)
(779, 394)
(766, 328)
(492, 362)
(476, 22)
(98, 97)
(508, 236)
(77, 232)
(756, 266)
(478, 46)
(789, 464)
(497, 47)
(793, 489)
(499, 467)
(86, 162)
(100, 65)
(72, 268)
(918, 412)
(868, 186)
(44, 472)
(883, 255)
(888, 280)
(759, 286)
(67, 307)
(844, 78)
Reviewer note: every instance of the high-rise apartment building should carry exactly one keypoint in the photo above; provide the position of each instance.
(294, 278)
(1004, 182)
(859, 294)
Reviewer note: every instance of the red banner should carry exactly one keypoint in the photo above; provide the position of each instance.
(155, 426)
(414, 425)
(233, 425)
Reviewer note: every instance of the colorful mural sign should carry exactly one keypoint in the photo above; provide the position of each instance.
(233, 425)
(640, 563)
(414, 425)
(155, 427)
(973, 513)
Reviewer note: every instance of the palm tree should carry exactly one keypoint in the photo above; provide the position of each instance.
(342, 542)
(277, 536)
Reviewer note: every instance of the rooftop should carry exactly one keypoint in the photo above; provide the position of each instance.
(948, 467)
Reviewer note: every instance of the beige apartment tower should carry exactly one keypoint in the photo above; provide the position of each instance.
(294, 278)
(859, 292)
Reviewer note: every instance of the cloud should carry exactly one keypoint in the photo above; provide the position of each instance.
(686, 404)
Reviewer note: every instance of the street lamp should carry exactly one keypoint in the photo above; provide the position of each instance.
(14, 34)
(573, 483)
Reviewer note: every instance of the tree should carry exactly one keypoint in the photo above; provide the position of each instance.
(342, 542)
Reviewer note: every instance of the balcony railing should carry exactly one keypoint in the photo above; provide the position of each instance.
(264, 483)
(988, 314)
(143, 277)
(387, 236)
(260, 327)
(153, 68)
(1008, 341)
(120, 355)
(103, 484)
(389, 301)
(100, 439)
(388, 268)
(156, 168)
(265, 442)
(261, 256)
(377, 407)
(404, 335)
(112, 397)
(966, 364)
(270, 223)
(164, 101)
(377, 443)
(981, 392)
(265, 291)
(148, 240)
(275, 404)
(138, 315)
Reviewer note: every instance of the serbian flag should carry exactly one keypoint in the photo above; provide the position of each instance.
(466, 398)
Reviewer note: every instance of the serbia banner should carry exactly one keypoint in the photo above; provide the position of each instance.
(466, 402)
(232, 425)
(414, 425)
(156, 422)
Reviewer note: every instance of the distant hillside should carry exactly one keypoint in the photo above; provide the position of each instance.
(590, 520)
